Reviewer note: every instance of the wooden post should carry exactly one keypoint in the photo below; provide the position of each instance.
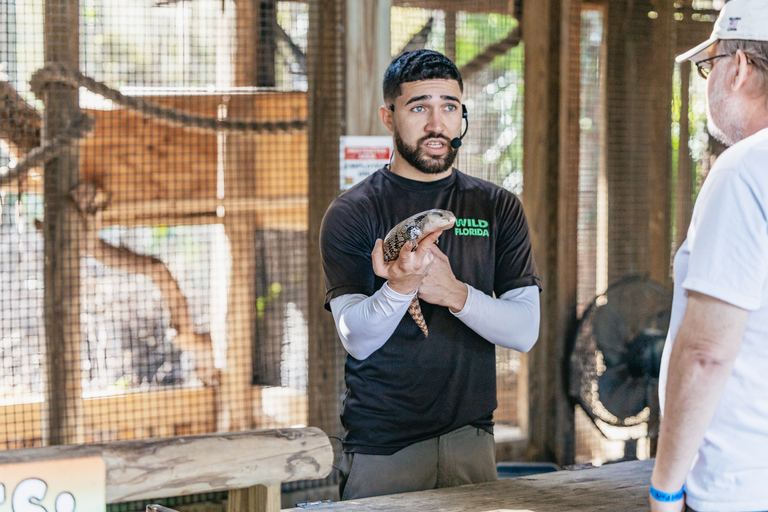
(625, 28)
(267, 46)
(367, 57)
(684, 185)
(256, 42)
(450, 35)
(639, 148)
(63, 408)
(236, 407)
(659, 181)
(325, 66)
(259, 498)
(236, 404)
(551, 31)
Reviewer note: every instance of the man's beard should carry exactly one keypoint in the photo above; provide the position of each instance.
(722, 122)
(426, 163)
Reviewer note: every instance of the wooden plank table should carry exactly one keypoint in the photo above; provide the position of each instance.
(622, 486)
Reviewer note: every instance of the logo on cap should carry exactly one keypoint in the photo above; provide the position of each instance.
(733, 24)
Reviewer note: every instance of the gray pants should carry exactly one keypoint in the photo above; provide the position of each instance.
(465, 456)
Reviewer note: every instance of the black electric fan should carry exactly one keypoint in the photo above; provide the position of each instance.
(615, 358)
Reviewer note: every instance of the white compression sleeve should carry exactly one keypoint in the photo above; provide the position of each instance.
(511, 321)
(365, 323)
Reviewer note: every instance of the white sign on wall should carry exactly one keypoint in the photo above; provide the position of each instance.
(361, 156)
(63, 485)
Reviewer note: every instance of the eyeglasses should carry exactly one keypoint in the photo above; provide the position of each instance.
(705, 65)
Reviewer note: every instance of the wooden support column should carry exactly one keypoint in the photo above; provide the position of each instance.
(639, 95)
(325, 103)
(236, 404)
(684, 185)
(661, 68)
(267, 46)
(551, 33)
(63, 407)
(237, 164)
(450, 35)
(259, 498)
(626, 31)
(256, 41)
(367, 57)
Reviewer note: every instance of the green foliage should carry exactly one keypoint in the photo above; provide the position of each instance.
(475, 32)
(262, 302)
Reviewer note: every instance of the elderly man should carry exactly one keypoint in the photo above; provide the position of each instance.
(713, 444)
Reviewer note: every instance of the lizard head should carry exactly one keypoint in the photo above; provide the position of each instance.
(438, 220)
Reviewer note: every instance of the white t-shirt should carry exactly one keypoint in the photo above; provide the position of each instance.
(726, 256)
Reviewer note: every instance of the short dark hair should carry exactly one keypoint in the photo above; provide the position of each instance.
(416, 66)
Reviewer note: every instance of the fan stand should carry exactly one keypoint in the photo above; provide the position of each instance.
(630, 445)
(630, 449)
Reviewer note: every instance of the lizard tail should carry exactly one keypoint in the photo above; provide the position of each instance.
(415, 311)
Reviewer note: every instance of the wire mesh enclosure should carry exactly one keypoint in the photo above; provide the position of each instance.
(165, 164)
(633, 172)
(171, 170)
(157, 203)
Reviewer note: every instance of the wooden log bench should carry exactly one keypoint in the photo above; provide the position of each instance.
(251, 465)
(621, 486)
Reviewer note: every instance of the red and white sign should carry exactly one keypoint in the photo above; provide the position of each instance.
(367, 153)
(361, 156)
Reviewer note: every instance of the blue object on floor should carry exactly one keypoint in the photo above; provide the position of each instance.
(515, 469)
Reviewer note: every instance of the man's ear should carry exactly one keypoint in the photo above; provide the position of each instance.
(386, 116)
(743, 70)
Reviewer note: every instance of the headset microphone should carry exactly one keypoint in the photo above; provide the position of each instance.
(456, 141)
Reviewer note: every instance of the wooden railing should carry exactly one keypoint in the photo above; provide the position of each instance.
(251, 465)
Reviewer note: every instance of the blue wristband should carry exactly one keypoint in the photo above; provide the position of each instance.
(665, 496)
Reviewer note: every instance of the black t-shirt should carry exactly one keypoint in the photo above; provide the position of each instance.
(414, 388)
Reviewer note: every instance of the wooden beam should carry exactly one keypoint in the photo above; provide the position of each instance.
(477, 6)
(280, 213)
(326, 115)
(659, 180)
(63, 412)
(367, 57)
(551, 28)
(419, 40)
(484, 58)
(123, 416)
(178, 466)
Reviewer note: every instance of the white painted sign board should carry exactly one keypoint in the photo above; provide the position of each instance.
(63, 485)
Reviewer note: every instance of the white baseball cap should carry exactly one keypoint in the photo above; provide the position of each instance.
(739, 19)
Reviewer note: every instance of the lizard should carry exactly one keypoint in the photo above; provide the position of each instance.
(412, 229)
